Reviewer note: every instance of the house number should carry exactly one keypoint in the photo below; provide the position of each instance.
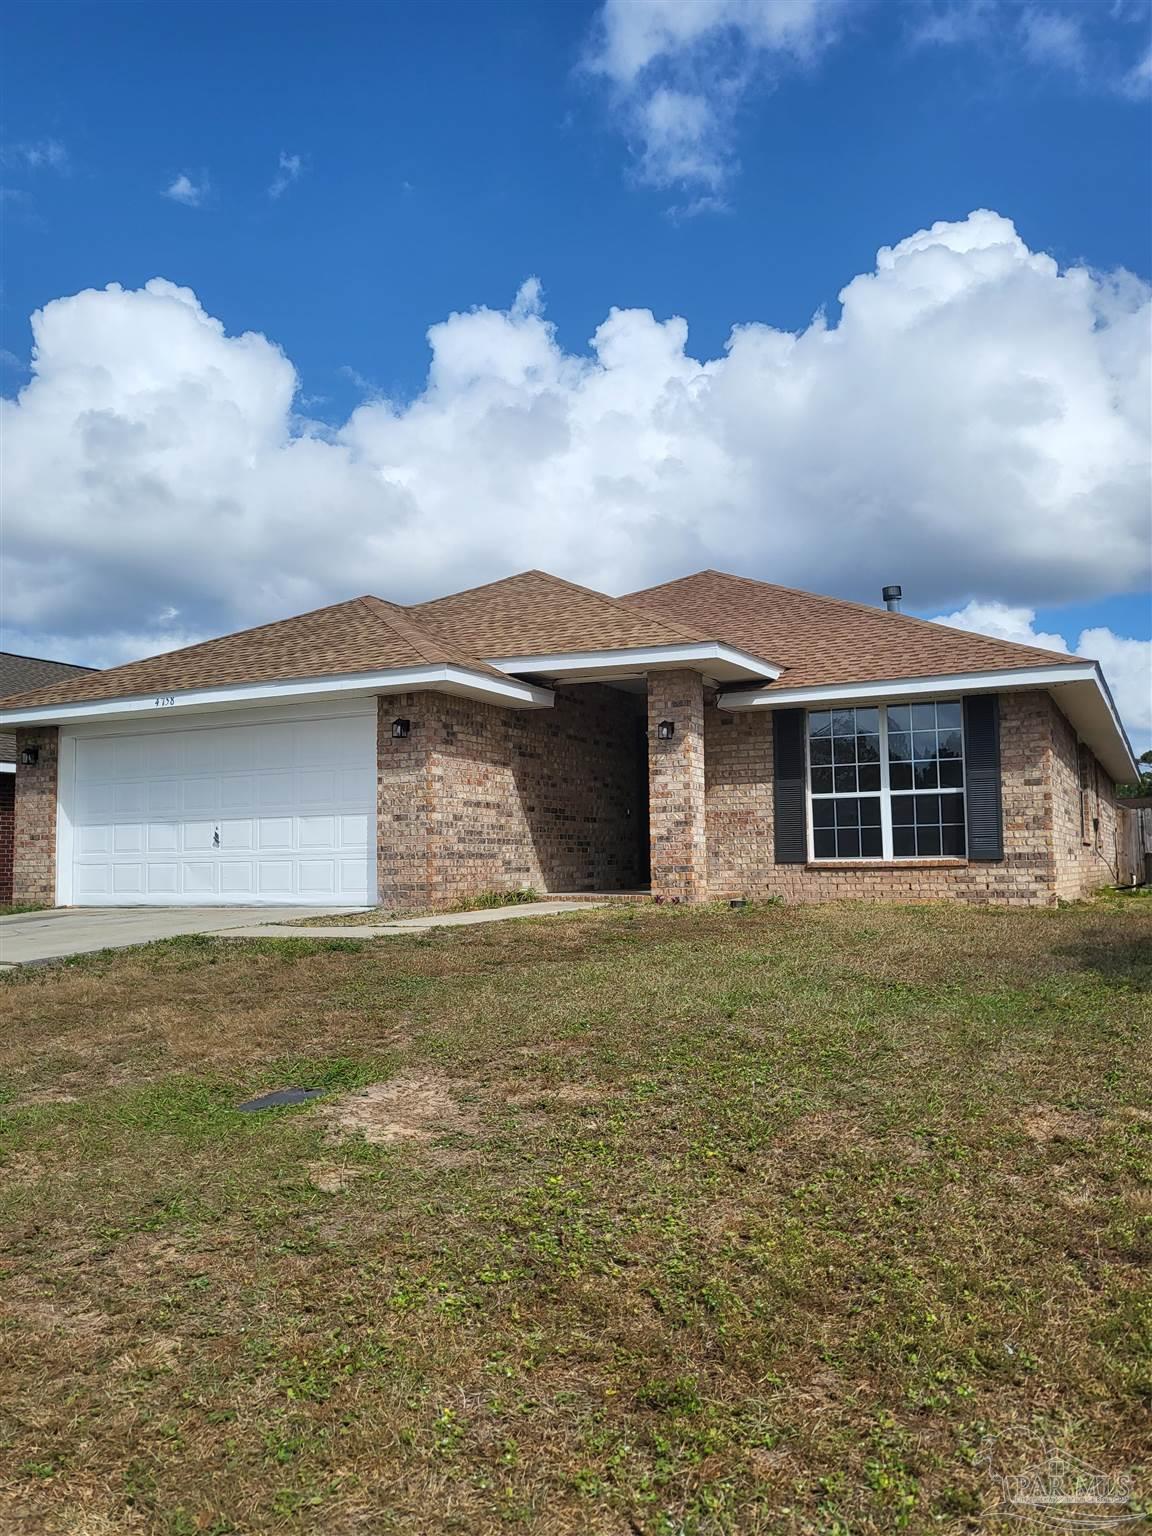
(164, 699)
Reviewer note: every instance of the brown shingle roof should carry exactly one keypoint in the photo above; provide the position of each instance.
(363, 635)
(815, 639)
(822, 640)
(18, 674)
(535, 614)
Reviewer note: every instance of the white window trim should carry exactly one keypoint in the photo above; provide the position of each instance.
(884, 795)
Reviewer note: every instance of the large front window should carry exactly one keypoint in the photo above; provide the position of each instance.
(887, 781)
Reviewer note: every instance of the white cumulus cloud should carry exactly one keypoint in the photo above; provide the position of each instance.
(289, 171)
(975, 421)
(182, 189)
(679, 70)
(1127, 663)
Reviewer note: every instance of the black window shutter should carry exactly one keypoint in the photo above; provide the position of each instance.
(982, 776)
(789, 815)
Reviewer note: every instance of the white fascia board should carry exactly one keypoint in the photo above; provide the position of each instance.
(510, 692)
(1112, 747)
(723, 661)
(910, 687)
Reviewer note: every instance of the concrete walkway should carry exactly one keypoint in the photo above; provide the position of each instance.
(405, 924)
(30, 937)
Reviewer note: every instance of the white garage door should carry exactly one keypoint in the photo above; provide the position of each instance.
(282, 812)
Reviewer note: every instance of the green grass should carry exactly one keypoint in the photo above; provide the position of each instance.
(763, 1221)
(14, 908)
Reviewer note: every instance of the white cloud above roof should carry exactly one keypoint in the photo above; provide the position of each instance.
(974, 422)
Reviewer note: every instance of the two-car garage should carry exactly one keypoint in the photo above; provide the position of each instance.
(268, 806)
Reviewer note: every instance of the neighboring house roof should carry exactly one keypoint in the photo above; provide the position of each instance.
(826, 640)
(535, 614)
(365, 634)
(20, 673)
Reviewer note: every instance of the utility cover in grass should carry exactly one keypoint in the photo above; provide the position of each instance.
(281, 1096)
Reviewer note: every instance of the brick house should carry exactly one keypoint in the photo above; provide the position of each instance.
(711, 737)
(17, 675)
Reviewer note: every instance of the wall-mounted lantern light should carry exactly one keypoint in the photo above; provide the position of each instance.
(666, 730)
(29, 757)
(401, 728)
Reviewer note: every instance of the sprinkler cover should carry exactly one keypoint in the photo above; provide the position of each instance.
(280, 1096)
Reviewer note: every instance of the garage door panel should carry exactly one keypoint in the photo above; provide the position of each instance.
(128, 837)
(274, 791)
(164, 797)
(353, 832)
(274, 832)
(354, 879)
(318, 877)
(238, 793)
(274, 878)
(94, 802)
(93, 880)
(94, 839)
(128, 757)
(199, 877)
(236, 835)
(237, 879)
(163, 879)
(317, 831)
(162, 756)
(128, 879)
(200, 797)
(199, 836)
(281, 812)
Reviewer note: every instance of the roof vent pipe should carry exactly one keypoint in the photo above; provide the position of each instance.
(892, 596)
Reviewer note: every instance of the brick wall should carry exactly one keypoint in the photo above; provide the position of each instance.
(676, 787)
(34, 843)
(7, 829)
(738, 751)
(1086, 822)
(480, 798)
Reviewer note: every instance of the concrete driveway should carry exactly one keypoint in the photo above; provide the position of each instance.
(32, 936)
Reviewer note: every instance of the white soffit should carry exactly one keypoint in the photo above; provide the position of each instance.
(725, 663)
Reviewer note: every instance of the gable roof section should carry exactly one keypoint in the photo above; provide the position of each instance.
(826, 640)
(363, 635)
(535, 614)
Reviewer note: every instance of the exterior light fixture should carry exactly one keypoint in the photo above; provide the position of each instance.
(666, 730)
(401, 728)
(29, 757)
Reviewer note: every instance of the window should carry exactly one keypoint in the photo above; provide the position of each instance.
(887, 781)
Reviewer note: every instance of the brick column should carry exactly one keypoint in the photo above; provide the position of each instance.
(404, 800)
(676, 787)
(34, 845)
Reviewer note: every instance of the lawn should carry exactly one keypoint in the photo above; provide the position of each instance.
(634, 1221)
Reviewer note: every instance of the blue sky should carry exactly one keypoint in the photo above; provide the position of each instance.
(677, 158)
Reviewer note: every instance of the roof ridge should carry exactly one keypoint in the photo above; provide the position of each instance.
(606, 597)
(575, 586)
(848, 602)
(402, 624)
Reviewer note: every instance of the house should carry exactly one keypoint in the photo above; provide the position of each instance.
(17, 675)
(711, 737)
